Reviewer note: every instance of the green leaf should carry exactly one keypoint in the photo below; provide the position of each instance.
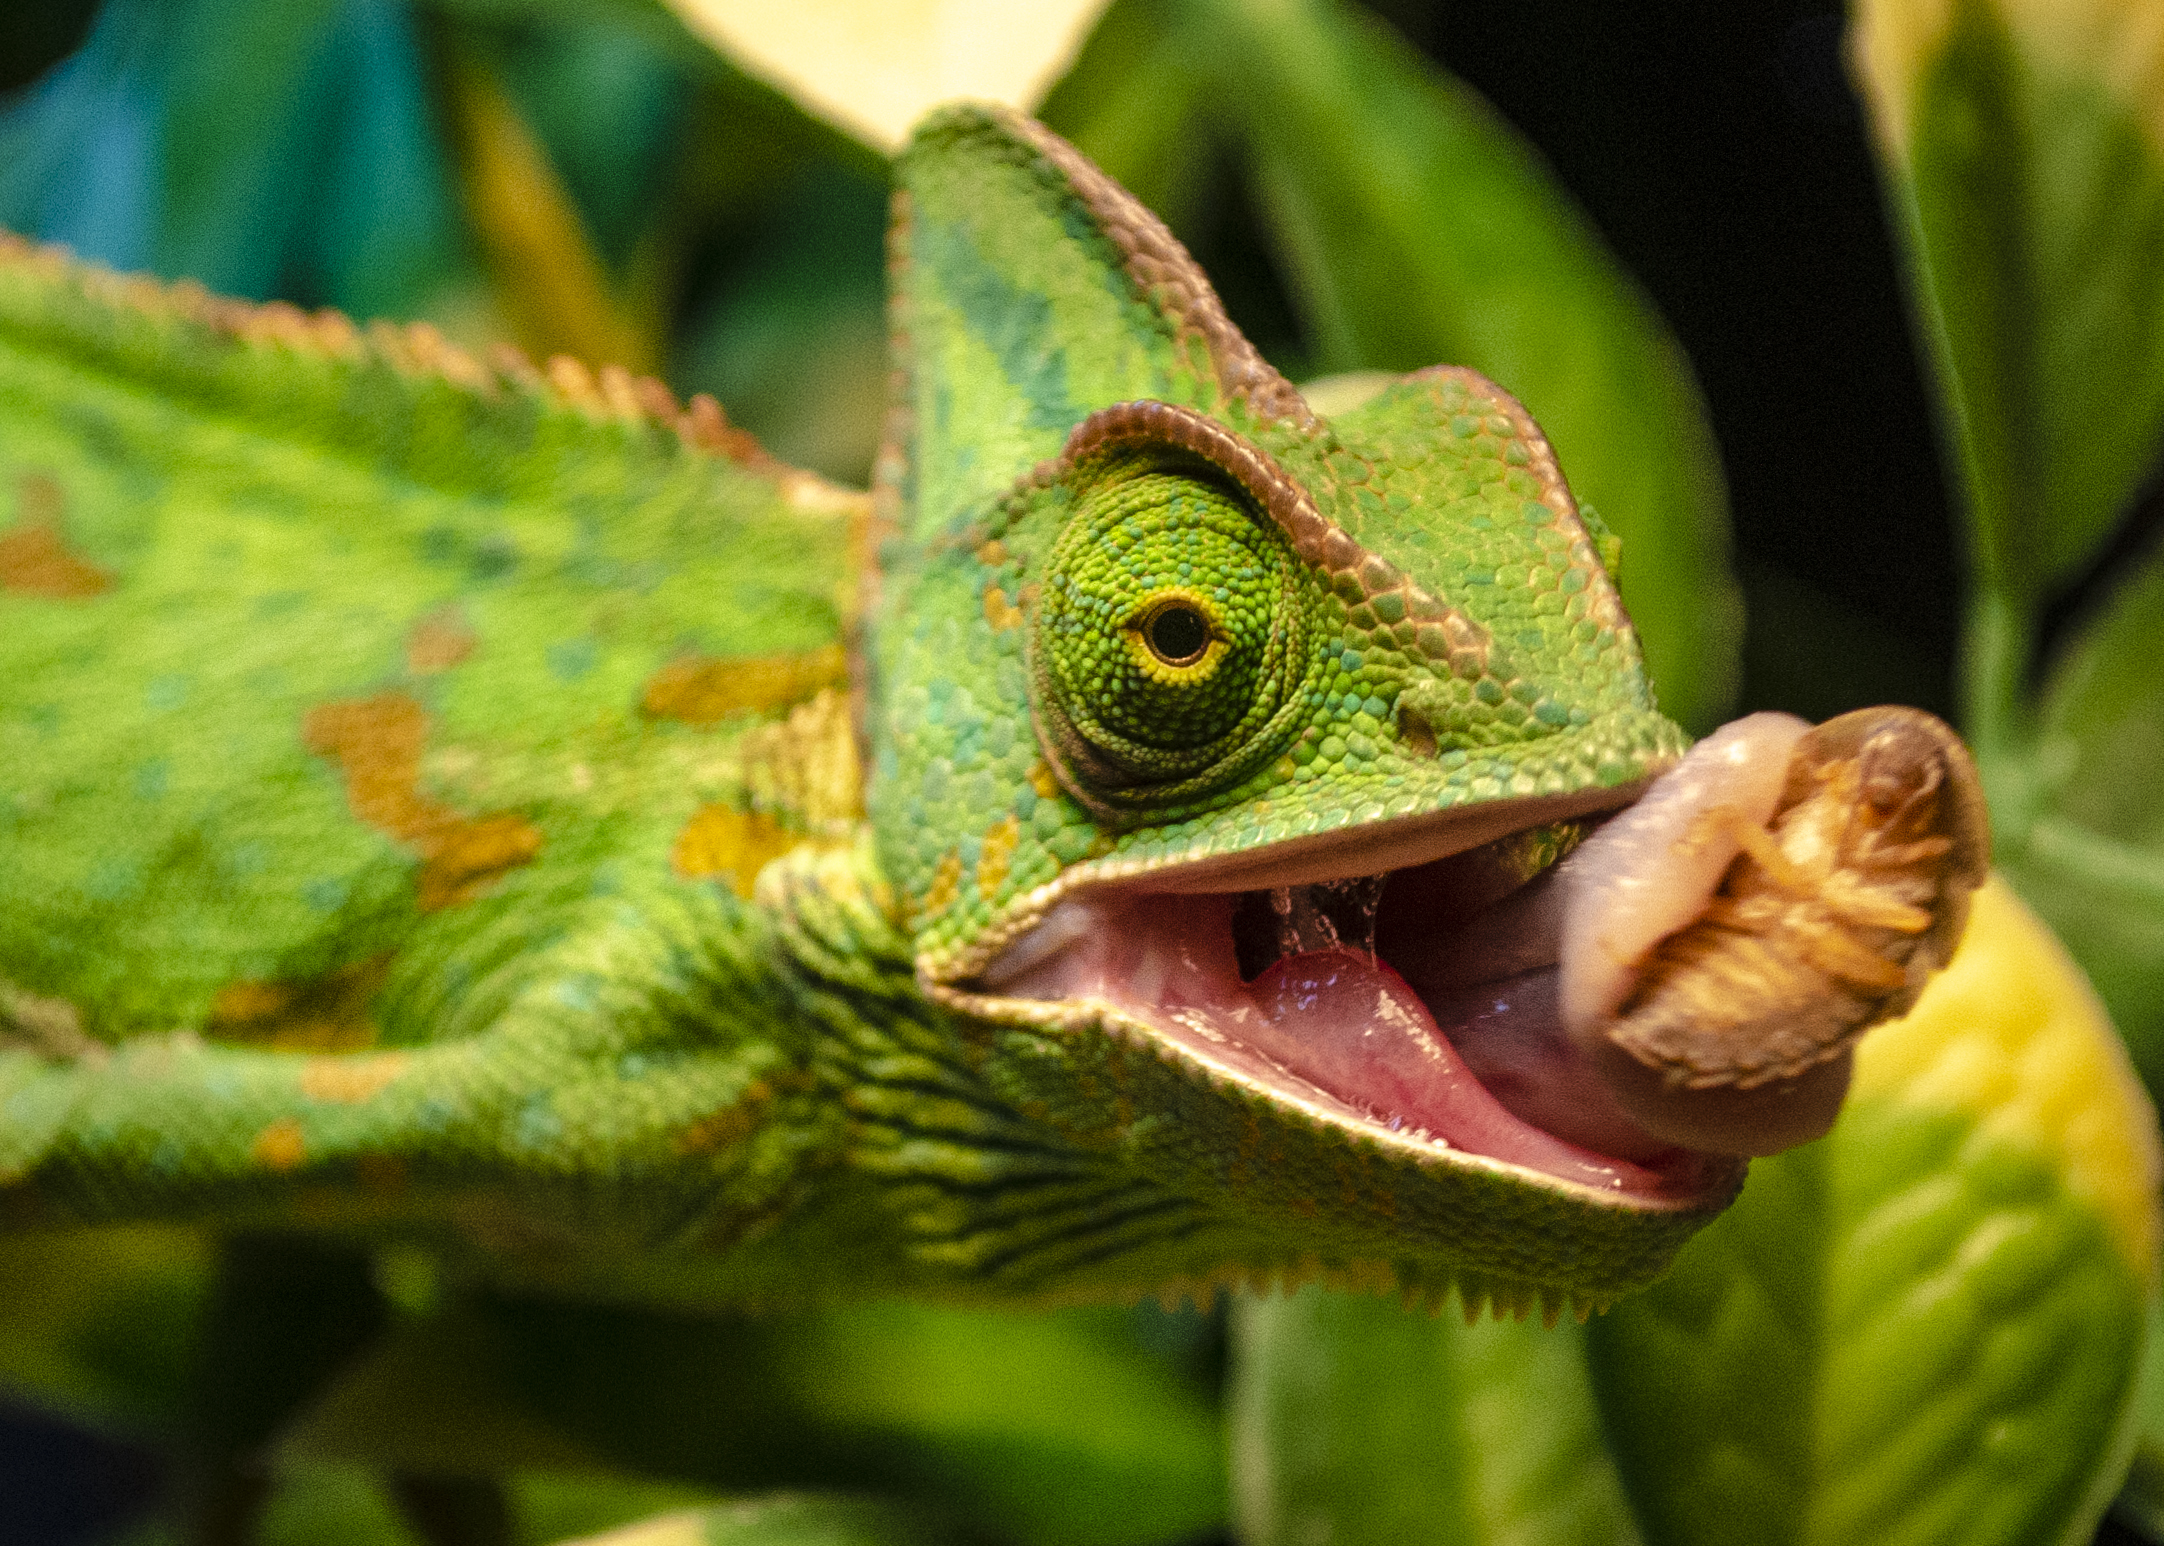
(1354, 1420)
(794, 343)
(437, 1398)
(313, 1503)
(1926, 1326)
(1135, 103)
(2141, 1500)
(552, 1506)
(611, 103)
(102, 1323)
(1037, 1428)
(1419, 228)
(2089, 850)
(2025, 156)
(794, 1521)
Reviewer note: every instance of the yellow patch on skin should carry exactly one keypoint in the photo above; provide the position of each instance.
(281, 1146)
(1042, 779)
(349, 1081)
(2012, 1033)
(998, 854)
(999, 611)
(992, 554)
(704, 689)
(35, 559)
(721, 840)
(946, 885)
(804, 768)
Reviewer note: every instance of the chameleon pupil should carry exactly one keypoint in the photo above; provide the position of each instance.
(1178, 635)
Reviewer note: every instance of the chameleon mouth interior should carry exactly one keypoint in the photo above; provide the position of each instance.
(1422, 1001)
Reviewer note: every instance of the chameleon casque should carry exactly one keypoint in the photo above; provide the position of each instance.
(505, 809)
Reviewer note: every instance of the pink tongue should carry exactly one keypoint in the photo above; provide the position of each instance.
(1349, 1024)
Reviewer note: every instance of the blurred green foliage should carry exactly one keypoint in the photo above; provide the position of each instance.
(585, 176)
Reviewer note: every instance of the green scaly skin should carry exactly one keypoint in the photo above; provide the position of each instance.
(432, 799)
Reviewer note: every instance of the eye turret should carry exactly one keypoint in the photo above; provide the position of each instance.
(1170, 637)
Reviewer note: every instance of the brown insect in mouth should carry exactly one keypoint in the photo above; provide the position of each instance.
(1829, 921)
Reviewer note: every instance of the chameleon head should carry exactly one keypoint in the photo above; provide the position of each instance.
(1224, 753)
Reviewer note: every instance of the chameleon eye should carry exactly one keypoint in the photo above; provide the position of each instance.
(1177, 633)
(1168, 638)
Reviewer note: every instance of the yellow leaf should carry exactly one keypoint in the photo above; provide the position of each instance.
(874, 67)
(552, 285)
(2118, 44)
(2012, 1033)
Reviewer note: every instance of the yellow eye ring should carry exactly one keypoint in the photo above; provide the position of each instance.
(1177, 632)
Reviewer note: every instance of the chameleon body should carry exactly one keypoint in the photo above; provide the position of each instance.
(503, 808)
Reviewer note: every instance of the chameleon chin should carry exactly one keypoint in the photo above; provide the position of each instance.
(1165, 835)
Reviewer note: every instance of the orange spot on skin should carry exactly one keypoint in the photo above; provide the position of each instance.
(721, 840)
(327, 1014)
(350, 1081)
(438, 642)
(377, 741)
(239, 1002)
(997, 856)
(35, 559)
(282, 1146)
(704, 689)
(999, 611)
(472, 854)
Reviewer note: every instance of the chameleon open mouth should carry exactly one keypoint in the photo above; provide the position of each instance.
(1470, 1002)
(1421, 1001)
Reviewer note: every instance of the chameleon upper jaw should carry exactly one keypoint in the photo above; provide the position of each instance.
(1389, 845)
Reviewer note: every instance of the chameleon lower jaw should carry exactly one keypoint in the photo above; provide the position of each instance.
(1482, 1068)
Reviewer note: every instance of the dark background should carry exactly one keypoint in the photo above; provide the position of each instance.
(1721, 151)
